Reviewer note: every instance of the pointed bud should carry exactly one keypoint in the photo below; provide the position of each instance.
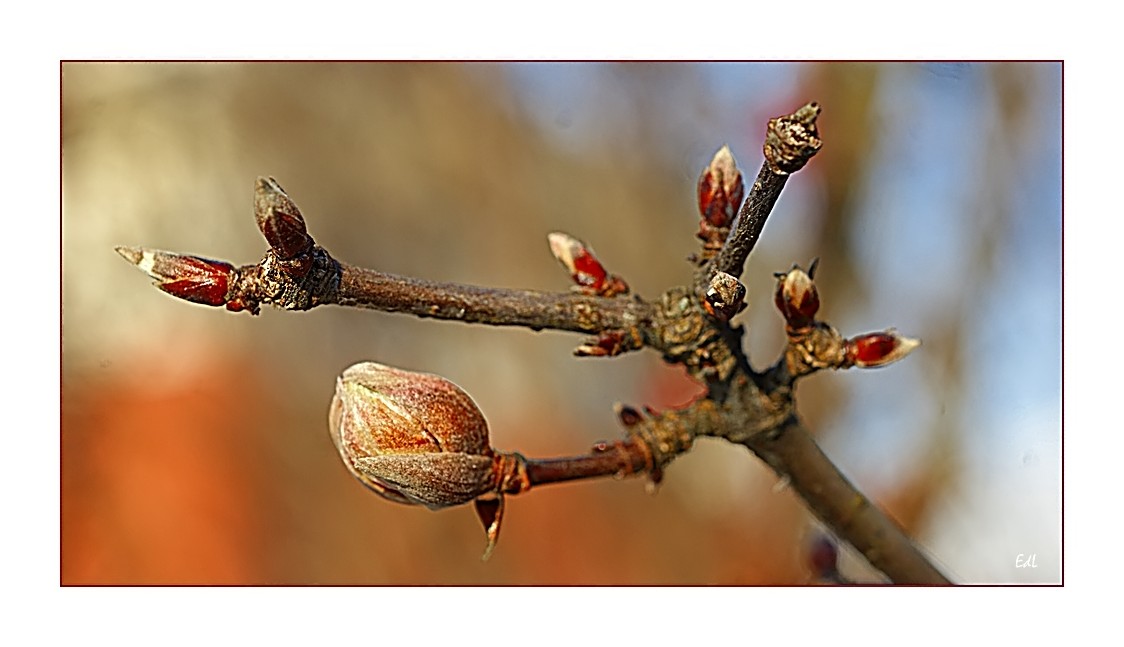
(194, 279)
(878, 348)
(586, 271)
(721, 190)
(279, 220)
(725, 296)
(796, 297)
(413, 438)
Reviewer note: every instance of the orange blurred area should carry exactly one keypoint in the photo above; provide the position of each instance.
(158, 483)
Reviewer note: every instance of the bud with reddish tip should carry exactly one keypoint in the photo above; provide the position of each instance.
(586, 271)
(721, 190)
(413, 438)
(194, 279)
(796, 297)
(878, 348)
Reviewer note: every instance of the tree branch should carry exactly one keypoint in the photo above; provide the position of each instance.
(794, 455)
(790, 141)
(573, 311)
(690, 327)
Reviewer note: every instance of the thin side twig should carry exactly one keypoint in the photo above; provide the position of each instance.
(575, 312)
(790, 141)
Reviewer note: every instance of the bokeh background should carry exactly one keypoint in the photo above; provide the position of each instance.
(194, 442)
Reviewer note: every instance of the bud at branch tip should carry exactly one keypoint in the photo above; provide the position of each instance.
(194, 279)
(873, 350)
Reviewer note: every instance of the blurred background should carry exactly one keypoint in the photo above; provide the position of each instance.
(195, 447)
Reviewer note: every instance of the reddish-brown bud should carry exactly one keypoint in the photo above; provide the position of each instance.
(878, 348)
(412, 438)
(586, 271)
(279, 220)
(721, 190)
(194, 279)
(796, 297)
(725, 296)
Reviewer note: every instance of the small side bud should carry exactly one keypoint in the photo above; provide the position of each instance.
(191, 278)
(279, 220)
(796, 297)
(721, 190)
(584, 268)
(878, 348)
(611, 343)
(725, 297)
(628, 415)
(413, 438)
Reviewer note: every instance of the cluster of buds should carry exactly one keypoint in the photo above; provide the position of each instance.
(798, 301)
(721, 191)
(584, 268)
(215, 283)
(416, 438)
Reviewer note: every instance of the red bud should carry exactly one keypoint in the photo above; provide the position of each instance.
(194, 279)
(797, 298)
(879, 348)
(721, 189)
(586, 271)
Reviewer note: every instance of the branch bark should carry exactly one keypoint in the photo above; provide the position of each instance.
(794, 455)
(573, 311)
